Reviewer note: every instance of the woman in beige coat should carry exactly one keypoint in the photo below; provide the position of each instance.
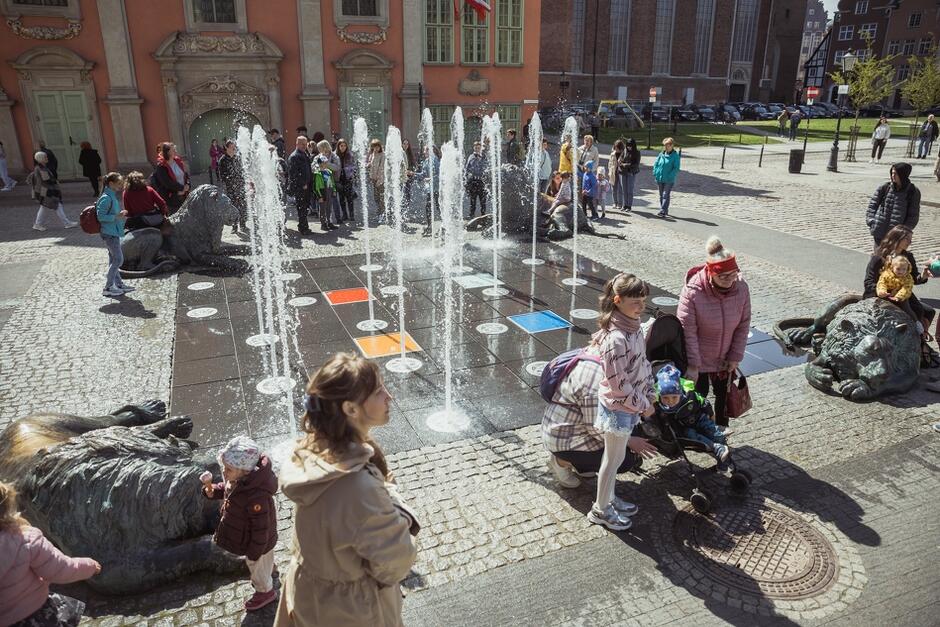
(353, 536)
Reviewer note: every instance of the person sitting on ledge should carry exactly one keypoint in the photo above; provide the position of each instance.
(575, 446)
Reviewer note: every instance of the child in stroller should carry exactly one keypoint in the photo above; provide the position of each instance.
(690, 414)
(665, 349)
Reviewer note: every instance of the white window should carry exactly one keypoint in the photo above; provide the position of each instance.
(619, 32)
(577, 36)
(441, 115)
(474, 37)
(439, 31)
(861, 7)
(894, 47)
(846, 32)
(704, 25)
(360, 8)
(509, 117)
(837, 59)
(224, 15)
(914, 20)
(867, 31)
(58, 8)
(908, 47)
(662, 44)
(925, 44)
(509, 32)
(903, 72)
(372, 12)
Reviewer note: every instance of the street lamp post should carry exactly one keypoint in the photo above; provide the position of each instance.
(848, 62)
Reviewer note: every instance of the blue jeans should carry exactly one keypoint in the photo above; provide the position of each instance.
(629, 185)
(618, 189)
(115, 259)
(706, 432)
(665, 189)
(923, 148)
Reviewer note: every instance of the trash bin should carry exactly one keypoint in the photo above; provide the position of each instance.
(796, 161)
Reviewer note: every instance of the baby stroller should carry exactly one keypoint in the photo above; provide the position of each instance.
(665, 344)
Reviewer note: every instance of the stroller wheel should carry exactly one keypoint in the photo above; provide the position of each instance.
(740, 481)
(700, 501)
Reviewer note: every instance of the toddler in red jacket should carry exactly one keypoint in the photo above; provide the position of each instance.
(249, 516)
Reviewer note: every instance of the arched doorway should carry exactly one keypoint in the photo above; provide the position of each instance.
(217, 124)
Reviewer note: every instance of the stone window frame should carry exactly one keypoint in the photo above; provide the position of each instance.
(192, 26)
(341, 20)
(473, 27)
(508, 29)
(73, 11)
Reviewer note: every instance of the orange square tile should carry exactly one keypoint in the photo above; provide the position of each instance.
(351, 295)
(374, 346)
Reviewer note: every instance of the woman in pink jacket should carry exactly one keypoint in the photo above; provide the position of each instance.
(715, 312)
(28, 564)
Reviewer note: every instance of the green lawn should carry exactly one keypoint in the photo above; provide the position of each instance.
(686, 135)
(823, 129)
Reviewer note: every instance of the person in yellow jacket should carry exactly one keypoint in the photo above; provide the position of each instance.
(897, 284)
(565, 157)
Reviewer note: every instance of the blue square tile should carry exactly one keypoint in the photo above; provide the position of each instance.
(539, 321)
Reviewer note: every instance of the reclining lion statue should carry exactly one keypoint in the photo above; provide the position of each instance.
(123, 489)
(864, 348)
(196, 238)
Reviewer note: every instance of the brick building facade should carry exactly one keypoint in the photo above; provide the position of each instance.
(126, 74)
(815, 26)
(696, 50)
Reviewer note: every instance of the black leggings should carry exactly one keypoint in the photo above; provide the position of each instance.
(590, 461)
(878, 145)
(720, 385)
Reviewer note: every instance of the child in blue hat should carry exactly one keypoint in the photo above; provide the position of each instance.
(678, 401)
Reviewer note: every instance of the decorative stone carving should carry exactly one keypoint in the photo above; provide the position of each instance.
(45, 33)
(189, 43)
(360, 37)
(222, 92)
(474, 85)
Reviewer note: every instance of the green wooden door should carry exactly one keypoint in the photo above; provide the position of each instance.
(220, 124)
(368, 103)
(64, 124)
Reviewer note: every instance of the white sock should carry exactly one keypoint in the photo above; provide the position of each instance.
(615, 449)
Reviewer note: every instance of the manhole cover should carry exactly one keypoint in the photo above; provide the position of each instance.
(758, 547)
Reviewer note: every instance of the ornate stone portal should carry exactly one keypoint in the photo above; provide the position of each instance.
(206, 72)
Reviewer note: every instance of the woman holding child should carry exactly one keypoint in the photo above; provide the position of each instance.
(896, 243)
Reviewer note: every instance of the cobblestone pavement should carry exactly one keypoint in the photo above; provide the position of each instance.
(490, 510)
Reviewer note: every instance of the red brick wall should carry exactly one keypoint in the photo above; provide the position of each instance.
(721, 38)
(683, 38)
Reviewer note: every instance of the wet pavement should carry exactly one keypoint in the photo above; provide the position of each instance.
(500, 341)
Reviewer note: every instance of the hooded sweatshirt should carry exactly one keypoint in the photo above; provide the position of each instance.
(28, 564)
(894, 204)
(352, 542)
(627, 384)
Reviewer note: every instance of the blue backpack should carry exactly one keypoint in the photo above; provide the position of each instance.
(557, 369)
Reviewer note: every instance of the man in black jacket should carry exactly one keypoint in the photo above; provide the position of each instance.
(278, 142)
(300, 182)
(512, 148)
(896, 202)
(928, 133)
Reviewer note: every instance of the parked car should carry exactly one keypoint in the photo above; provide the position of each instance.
(830, 109)
(728, 110)
(876, 112)
(704, 112)
(934, 111)
(685, 114)
(756, 112)
(624, 116)
(775, 108)
(655, 113)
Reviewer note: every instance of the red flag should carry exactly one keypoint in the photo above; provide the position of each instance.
(481, 7)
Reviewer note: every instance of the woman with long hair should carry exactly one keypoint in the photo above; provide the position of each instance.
(33, 564)
(896, 242)
(353, 535)
(170, 178)
(346, 181)
(376, 171)
(144, 206)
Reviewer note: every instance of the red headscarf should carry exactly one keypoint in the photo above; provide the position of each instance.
(729, 264)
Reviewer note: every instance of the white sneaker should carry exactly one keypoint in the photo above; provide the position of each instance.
(624, 508)
(6, 189)
(722, 452)
(126, 288)
(112, 293)
(70, 225)
(609, 518)
(38, 227)
(564, 476)
(871, 161)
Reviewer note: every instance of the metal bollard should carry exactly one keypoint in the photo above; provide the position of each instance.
(724, 149)
(761, 160)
